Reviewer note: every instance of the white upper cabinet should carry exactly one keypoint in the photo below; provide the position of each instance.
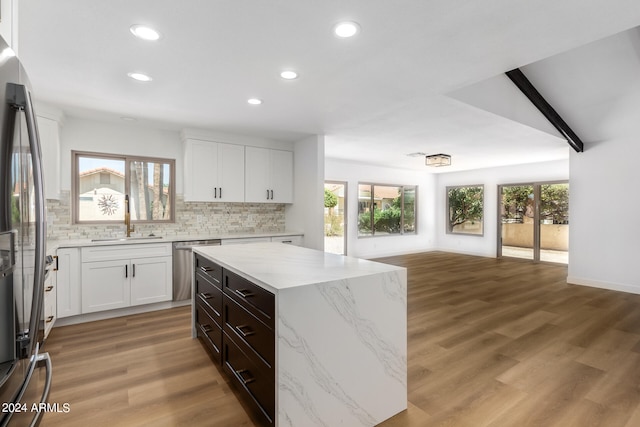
(268, 175)
(49, 131)
(213, 171)
(9, 23)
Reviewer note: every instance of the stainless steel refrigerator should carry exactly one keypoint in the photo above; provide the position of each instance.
(25, 371)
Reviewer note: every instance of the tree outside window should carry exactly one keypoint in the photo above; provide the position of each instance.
(465, 207)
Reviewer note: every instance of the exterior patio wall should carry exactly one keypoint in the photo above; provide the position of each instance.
(552, 236)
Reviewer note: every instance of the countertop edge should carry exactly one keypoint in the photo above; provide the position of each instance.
(77, 243)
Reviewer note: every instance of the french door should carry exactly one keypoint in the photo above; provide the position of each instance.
(534, 221)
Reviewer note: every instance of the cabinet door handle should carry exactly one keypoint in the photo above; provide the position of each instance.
(243, 293)
(206, 269)
(246, 333)
(221, 192)
(126, 270)
(267, 194)
(243, 380)
(48, 289)
(205, 295)
(56, 267)
(271, 194)
(49, 319)
(205, 328)
(134, 271)
(215, 192)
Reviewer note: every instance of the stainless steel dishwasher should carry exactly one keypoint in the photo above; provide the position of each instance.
(182, 268)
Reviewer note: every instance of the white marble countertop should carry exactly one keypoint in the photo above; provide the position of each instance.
(74, 243)
(277, 266)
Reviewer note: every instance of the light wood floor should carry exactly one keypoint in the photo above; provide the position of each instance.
(491, 343)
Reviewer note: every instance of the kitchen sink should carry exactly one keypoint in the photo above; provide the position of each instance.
(125, 239)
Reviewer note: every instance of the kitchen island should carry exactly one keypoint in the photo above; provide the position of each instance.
(338, 325)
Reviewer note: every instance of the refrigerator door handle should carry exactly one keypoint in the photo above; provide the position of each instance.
(22, 101)
(43, 357)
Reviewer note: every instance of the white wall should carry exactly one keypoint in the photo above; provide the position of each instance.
(370, 247)
(486, 245)
(604, 237)
(87, 135)
(306, 212)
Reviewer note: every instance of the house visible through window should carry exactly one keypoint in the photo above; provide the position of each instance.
(101, 182)
(386, 209)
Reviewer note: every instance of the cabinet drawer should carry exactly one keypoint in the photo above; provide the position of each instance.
(210, 296)
(243, 326)
(209, 332)
(254, 381)
(209, 269)
(116, 252)
(258, 301)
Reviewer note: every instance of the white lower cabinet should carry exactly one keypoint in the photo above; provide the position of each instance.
(69, 293)
(105, 285)
(126, 275)
(151, 280)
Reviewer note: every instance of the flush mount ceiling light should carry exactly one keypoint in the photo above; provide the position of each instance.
(289, 75)
(140, 77)
(438, 160)
(144, 33)
(254, 101)
(346, 29)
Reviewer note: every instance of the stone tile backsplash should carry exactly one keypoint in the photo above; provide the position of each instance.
(192, 219)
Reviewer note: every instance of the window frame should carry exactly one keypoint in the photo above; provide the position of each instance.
(448, 210)
(402, 211)
(128, 159)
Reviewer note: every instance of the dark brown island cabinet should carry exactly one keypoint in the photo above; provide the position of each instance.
(235, 322)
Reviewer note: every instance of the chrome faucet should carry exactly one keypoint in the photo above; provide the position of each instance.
(127, 216)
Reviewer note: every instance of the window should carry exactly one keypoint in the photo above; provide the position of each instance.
(465, 206)
(101, 182)
(386, 210)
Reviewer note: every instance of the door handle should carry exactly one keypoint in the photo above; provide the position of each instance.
(49, 288)
(126, 270)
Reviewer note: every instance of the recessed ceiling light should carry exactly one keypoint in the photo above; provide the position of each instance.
(144, 33)
(289, 75)
(417, 154)
(254, 101)
(346, 29)
(140, 77)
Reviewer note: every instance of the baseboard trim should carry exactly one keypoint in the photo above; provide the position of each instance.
(572, 280)
(457, 251)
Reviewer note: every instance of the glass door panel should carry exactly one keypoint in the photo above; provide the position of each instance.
(517, 212)
(335, 215)
(554, 223)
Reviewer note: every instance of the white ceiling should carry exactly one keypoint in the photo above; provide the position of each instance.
(421, 76)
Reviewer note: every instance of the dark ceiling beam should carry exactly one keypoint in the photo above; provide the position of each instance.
(525, 86)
